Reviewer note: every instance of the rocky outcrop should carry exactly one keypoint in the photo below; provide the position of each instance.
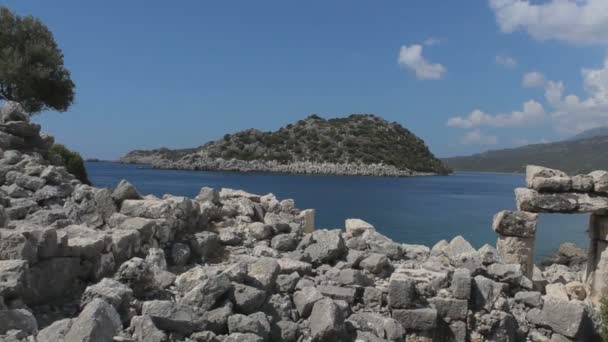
(90, 264)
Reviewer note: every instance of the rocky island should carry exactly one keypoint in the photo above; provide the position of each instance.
(360, 144)
(80, 263)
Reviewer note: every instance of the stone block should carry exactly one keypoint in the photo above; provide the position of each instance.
(515, 223)
(517, 250)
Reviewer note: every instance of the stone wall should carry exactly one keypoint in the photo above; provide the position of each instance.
(553, 191)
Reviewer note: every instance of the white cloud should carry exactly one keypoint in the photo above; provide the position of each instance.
(571, 113)
(506, 61)
(411, 58)
(532, 112)
(533, 79)
(431, 41)
(572, 21)
(475, 137)
(567, 113)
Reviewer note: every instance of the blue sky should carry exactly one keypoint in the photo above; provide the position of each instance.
(177, 74)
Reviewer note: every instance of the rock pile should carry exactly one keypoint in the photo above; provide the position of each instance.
(79, 263)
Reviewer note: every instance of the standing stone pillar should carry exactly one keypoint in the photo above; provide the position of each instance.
(516, 236)
(597, 262)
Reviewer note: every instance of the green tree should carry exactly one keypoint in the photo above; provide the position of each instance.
(31, 65)
(73, 162)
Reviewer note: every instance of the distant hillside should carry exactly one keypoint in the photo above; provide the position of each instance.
(591, 133)
(360, 139)
(572, 156)
(150, 156)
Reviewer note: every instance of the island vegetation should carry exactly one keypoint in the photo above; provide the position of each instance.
(359, 139)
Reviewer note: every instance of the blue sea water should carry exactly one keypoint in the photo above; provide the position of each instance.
(420, 210)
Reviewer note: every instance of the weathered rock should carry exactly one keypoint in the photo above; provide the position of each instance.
(263, 273)
(256, 323)
(217, 320)
(428, 283)
(208, 293)
(326, 321)
(18, 245)
(12, 276)
(239, 337)
(450, 307)
(247, 299)
(416, 319)
(260, 231)
(305, 299)
(461, 284)
(532, 299)
(485, 292)
(285, 242)
(534, 201)
(171, 316)
(285, 331)
(506, 273)
(543, 178)
(307, 217)
(377, 264)
(582, 183)
(515, 223)
(415, 252)
(289, 266)
(557, 291)
(287, 282)
(338, 293)
(401, 291)
(19, 319)
(111, 291)
(350, 276)
(517, 250)
(566, 318)
(55, 332)
(356, 227)
(206, 245)
(63, 271)
(98, 322)
(125, 191)
(328, 246)
(144, 330)
(600, 181)
(138, 275)
(180, 254)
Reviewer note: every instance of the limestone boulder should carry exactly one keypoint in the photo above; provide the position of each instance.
(98, 322)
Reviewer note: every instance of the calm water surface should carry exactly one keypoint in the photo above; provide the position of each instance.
(412, 210)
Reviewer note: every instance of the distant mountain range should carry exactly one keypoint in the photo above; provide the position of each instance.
(581, 153)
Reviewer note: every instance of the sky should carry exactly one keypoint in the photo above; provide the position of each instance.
(465, 76)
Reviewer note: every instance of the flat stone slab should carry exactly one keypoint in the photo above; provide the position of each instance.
(568, 203)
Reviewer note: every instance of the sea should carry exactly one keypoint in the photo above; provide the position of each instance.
(414, 210)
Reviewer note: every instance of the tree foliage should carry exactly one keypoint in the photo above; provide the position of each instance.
(73, 162)
(31, 65)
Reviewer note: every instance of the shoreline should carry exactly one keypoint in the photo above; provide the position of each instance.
(297, 168)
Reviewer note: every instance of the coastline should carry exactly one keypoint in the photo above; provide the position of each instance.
(273, 167)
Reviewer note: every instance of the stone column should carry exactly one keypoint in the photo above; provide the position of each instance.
(516, 235)
(597, 263)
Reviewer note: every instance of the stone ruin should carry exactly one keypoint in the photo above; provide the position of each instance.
(80, 263)
(553, 191)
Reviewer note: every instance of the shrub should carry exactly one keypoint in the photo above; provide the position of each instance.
(73, 162)
(604, 317)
